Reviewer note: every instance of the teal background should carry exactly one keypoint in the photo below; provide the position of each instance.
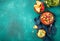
(17, 20)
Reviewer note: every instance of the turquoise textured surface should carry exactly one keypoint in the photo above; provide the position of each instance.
(17, 20)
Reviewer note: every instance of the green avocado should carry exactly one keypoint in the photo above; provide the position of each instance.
(52, 2)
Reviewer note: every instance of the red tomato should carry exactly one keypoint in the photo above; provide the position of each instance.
(42, 7)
